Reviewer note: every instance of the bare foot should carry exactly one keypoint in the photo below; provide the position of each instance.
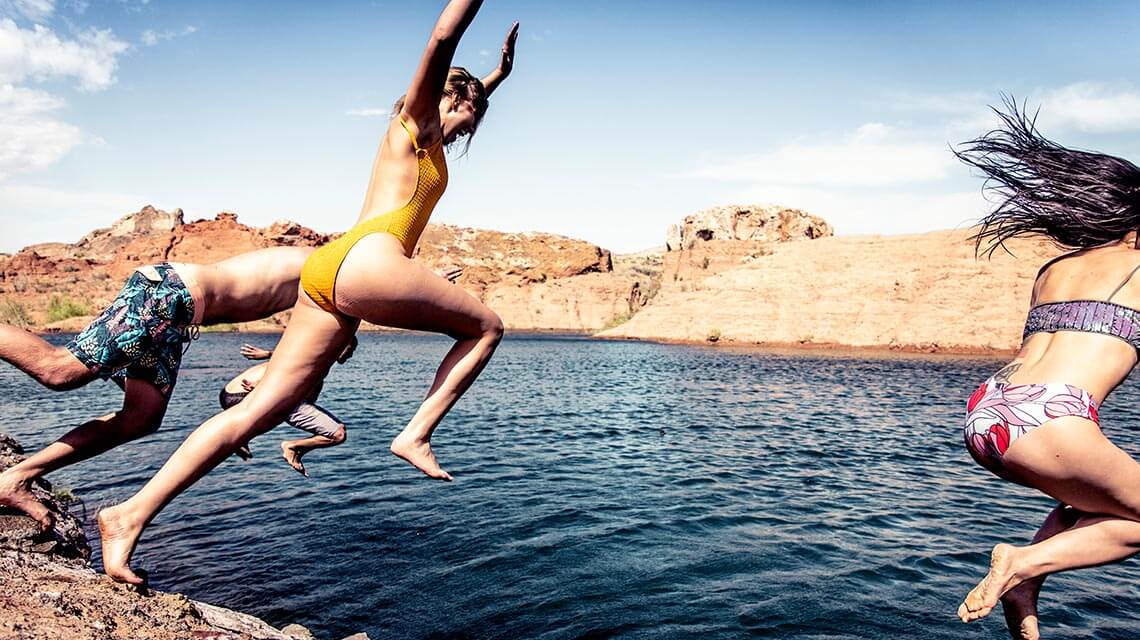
(119, 539)
(1020, 608)
(1001, 578)
(18, 495)
(293, 457)
(419, 453)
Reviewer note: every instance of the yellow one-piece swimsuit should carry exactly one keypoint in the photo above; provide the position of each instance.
(318, 275)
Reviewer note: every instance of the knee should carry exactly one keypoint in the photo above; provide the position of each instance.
(137, 426)
(63, 371)
(493, 329)
(340, 435)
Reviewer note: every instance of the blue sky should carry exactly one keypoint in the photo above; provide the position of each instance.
(620, 119)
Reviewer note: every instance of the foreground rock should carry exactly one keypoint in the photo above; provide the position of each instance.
(47, 591)
(923, 292)
(534, 280)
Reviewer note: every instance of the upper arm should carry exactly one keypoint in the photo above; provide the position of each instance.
(422, 102)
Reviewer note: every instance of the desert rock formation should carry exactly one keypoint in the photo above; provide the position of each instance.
(753, 223)
(535, 281)
(923, 292)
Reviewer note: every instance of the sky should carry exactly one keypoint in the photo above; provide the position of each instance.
(621, 117)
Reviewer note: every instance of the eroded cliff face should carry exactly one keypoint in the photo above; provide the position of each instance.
(923, 292)
(533, 280)
(539, 281)
(748, 223)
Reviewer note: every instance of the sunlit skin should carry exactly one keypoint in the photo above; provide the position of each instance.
(1069, 459)
(247, 287)
(408, 296)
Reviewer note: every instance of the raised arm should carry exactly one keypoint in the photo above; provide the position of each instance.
(426, 90)
(506, 63)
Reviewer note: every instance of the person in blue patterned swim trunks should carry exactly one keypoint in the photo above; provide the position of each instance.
(138, 342)
(141, 335)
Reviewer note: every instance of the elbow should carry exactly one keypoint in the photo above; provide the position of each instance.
(444, 34)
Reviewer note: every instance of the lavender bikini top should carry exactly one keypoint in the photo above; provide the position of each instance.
(1091, 316)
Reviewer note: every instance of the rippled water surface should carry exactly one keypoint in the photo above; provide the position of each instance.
(602, 489)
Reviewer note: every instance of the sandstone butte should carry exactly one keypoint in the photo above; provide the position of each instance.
(743, 275)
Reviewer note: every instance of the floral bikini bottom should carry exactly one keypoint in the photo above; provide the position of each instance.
(999, 413)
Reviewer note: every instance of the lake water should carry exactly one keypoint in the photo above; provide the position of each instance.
(602, 489)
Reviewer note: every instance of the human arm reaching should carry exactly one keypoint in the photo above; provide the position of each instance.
(506, 63)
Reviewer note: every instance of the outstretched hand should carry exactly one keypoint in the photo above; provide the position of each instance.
(507, 62)
(254, 353)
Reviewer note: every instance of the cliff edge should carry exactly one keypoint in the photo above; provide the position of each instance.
(48, 591)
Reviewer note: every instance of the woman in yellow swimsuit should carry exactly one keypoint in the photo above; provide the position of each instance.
(367, 274)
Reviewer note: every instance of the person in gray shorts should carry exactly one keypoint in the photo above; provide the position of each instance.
(327, 429)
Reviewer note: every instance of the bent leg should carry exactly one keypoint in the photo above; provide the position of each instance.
(1019, 605)
(410, 296)
(327, 431)
(307, 349)
(54, 367)
(1070, 460)
(143, 409)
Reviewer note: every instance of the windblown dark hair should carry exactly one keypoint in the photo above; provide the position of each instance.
(1078, 199)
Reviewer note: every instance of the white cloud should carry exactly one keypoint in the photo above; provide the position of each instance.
(31, 138)
(32, 214)
(35, 10)
(38, 53)
(876, 179)
(873, 155)
(151, 37)
(370, 112)
(134, 6)
(1090, 107)
(875, 211)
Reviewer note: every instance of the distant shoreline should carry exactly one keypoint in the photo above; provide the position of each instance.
(836, 350)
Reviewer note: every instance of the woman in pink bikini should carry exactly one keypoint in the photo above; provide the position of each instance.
(1035, 421)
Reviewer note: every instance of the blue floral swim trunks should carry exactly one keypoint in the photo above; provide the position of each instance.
(141, 334)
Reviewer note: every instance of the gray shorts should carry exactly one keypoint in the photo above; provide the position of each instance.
(307, 416)
(317, 421)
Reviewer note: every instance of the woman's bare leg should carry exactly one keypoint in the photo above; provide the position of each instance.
(307, 349)
(1019, 605)
(1070, 460)
(143, 409)
(409, 296)
(54, 367)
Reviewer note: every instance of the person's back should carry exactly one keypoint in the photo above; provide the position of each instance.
(249, 286)
(1094, 361)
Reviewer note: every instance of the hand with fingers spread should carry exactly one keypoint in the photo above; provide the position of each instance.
(255, 353)
(506, 62)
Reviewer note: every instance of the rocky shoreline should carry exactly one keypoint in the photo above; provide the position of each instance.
(48, 591)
